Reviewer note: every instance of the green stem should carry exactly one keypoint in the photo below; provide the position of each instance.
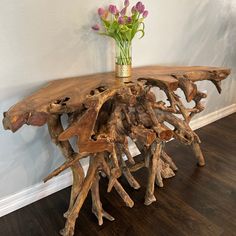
(123, 55)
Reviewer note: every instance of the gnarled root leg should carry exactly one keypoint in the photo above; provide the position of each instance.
(86, 186)
(166, 172)
(115, 171)
(130, 178)
(168, 160)
(127, 174)
(118, 187)
(78, 177)
(154, 173)
(198, 153)
(96, 203)
(55, 128)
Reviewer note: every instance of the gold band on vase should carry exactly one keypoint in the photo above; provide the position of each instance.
(123, 70)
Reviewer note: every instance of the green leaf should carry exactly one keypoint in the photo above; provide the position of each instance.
(106, 23)
(113, 27)
(134, 29)
(123, 28)
(129, 35)
(143, 25)
(142, 31)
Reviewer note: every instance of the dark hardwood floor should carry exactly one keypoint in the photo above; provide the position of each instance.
(197, 201)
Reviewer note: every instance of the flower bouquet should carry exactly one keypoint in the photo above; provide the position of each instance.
(122, 26)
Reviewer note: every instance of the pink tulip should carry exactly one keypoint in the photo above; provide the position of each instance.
(134, 10)
(96, 27)
(121, 20)
(140, 7)
(145, 14)
(129, 20)
(123, 11)
(113, 9)
(101, 12)
(126, 3)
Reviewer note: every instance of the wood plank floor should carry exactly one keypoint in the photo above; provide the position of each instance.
(197, 201)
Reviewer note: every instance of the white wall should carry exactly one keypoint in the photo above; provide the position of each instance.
(42, 40)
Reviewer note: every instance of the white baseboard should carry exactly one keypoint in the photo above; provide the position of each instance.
(36, 192)
(213, 116)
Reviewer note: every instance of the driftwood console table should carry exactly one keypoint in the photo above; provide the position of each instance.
(103, 111)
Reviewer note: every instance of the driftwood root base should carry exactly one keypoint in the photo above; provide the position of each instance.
(103, 115)
(103, 131)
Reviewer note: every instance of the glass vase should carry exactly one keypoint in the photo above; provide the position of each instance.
(123, 59)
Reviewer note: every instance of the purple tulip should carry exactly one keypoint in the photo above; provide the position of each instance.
(145, 14)
(101, 12)
(121, 20)
(126, 3)
(140, 7)
(129, 19)
(113, 9)
(123, 11)
(96, 27)
(134, 10)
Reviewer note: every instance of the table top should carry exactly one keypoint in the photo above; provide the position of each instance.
(72, 92)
